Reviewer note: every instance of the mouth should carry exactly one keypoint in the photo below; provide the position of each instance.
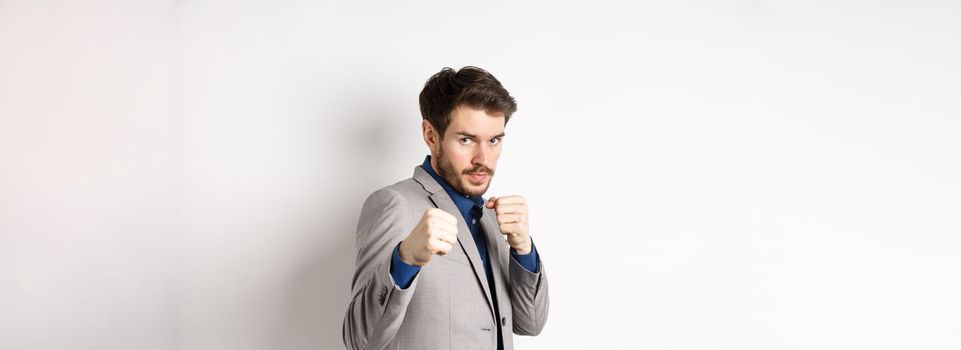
(477, 178)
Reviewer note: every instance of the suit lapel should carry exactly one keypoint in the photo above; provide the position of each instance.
(443, 202)
(495, 240)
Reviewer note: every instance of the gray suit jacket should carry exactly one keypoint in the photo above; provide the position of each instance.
(448, 305)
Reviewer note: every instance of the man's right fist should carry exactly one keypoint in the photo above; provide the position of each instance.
(436, 233)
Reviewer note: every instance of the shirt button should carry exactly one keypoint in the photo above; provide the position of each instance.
(473, 221)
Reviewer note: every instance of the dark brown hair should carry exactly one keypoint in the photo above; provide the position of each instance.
(470, 86)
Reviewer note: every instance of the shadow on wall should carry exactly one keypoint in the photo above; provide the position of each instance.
(319, 284)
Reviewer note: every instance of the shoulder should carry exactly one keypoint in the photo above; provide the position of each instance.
(400, 194)
(408, 189)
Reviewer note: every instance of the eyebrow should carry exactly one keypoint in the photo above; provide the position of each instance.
(472, 136)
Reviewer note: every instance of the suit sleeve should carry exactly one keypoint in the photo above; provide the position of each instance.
(529, 297)
(378, 305)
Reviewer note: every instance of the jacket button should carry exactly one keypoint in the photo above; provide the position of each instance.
(383, 296)
(503, 321)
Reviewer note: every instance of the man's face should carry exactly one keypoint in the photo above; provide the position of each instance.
(467, 154)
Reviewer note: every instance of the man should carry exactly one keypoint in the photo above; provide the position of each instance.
(438, 266)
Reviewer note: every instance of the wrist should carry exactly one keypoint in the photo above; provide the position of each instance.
(405, 256)
(402, 254)
(523, 248)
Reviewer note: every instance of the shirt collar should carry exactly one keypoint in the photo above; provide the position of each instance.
(463, 202)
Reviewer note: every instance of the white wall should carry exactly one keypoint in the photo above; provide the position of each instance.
(702, 175)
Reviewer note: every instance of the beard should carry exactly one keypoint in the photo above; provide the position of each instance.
(453, 177)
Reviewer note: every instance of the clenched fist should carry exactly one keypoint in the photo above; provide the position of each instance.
(435, 233)
(512, 218)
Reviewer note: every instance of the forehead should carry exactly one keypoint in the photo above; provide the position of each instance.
(475, 121)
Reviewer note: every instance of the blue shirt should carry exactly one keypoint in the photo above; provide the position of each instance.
(471, 210)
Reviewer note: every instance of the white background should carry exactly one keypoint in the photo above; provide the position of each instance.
(701, 175)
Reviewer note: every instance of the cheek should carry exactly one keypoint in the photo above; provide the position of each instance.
(493, 157)
(459, 156)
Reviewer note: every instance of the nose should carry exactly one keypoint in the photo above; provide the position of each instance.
(481, 155)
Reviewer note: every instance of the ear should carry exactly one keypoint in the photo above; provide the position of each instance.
(431, 137)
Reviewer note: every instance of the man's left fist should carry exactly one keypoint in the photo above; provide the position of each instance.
(512, 218)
